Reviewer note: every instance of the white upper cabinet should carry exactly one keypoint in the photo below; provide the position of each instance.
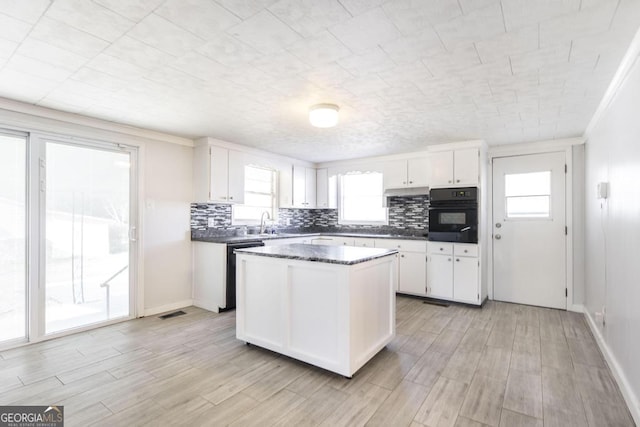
(304, 187)
(326, 190)
(406, 173)
(218, 174)
(453, 168)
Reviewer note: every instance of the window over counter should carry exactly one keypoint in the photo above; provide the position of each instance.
(259, 195)
(360, 199)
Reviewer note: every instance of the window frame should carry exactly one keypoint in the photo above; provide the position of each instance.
(340, 191)
(273, 211)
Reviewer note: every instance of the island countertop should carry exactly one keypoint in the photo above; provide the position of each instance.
(347, 255)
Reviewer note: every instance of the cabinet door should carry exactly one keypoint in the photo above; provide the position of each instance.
(465, 280)
(440, 276)
(440, 168)
(364, 242)
(466, 166)
(394, 174)
(299, 184)
(322, 188)
(236, 177)
(412, 273)
(219, 174)
(310, 188)
(418, 172)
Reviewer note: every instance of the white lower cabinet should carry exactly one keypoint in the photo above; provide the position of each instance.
(286, 241)
(453, 272)
(412, 266)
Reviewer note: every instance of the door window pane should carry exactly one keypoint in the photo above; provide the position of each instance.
(87, 242)
(528, 195)
(13, 278)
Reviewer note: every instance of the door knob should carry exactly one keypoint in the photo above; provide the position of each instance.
(498, 237)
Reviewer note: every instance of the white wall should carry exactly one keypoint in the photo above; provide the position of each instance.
(168, 188)
(612, 233)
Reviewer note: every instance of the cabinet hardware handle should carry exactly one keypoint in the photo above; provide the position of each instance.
(230, 197)
(442, 249)
(449, 181)
(410, 182)
(402, 256)
(465, 251)
(449, 259)
(223, 198)
(457, 180)
(404, 182)
(457, 259)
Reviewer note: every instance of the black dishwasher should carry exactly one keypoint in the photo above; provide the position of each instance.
(230, 299)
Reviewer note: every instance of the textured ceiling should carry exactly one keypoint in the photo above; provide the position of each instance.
(406, 73)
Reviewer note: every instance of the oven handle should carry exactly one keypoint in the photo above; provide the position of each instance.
(465, 229)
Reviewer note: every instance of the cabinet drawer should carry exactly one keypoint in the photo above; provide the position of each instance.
(445, 248)
(402, 245)
(465, 249)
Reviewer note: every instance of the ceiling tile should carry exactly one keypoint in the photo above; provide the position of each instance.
(37, 68)
(202, 17)
(533, 61)
(356, 7)
(101, 80)
(164, 35)
(68, 38)
(27, 11)
(245, 8)
(447, 63)
(90, 17)
(13, 29)
(402, 74)
(135, 10)
(588, 21)
(265, 33)
(522, 13)
(319, 49)
(370, 61)
(480, 24)
(200, 66)
(229, 51)
(50, 54)
(366, 31)
(14, 85)
(471, 5)
(309, 17)
(328, 75)
(6, 50)
(116, 67)
(281, 64)
(361, 86)
(138, 53)
(412, 17)
(414, 47)
(505, 44)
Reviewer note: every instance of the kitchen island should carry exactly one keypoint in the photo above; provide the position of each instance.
(330, 306)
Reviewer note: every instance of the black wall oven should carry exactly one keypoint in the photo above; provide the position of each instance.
(453, 215)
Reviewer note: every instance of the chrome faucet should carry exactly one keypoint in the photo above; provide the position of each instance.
(262, 224)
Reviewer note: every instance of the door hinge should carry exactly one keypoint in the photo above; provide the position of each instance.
(478, 297)
(566, 169)
(566, 292)
(566, 230)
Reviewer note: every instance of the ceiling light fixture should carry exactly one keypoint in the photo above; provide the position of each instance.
(324, 115)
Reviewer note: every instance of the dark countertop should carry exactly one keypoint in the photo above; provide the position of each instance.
(346, 255)
(261, 237)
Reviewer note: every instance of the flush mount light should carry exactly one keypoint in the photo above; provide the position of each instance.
(324, 115)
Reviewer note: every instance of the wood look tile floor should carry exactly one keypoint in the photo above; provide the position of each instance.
(502, 365)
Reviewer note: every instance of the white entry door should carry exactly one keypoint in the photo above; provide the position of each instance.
(529, 240)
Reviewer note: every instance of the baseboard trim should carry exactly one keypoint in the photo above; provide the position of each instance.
(627, 392)
(578, 308)
(167, 307)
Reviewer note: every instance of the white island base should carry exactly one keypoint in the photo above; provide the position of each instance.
(334, 316)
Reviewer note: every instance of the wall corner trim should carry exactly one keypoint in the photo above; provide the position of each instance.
(626, 65)
(167, 307)
(621, 379)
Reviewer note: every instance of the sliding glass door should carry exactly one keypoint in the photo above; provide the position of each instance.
(13, 237)
(87, 221)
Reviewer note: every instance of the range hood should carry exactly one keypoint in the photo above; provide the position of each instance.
(404, 192)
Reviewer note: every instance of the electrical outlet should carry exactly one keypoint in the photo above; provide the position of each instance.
(288, 221)
(211, 222)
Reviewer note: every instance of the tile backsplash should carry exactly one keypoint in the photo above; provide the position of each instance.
(407, 215)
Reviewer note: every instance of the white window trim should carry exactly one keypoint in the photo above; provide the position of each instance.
(274, 205)
(342, 221)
